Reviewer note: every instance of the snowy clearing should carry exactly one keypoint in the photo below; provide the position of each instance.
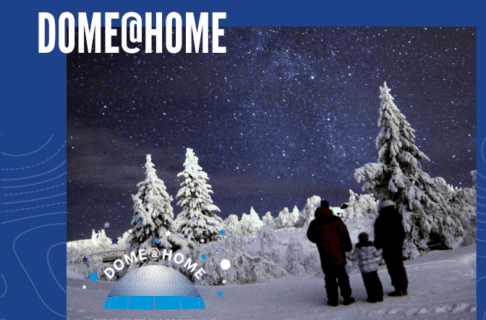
(442, 286)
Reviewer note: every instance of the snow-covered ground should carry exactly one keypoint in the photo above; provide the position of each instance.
(442, 286)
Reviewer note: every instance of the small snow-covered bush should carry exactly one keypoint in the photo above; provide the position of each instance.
(75, 268)
(73, 255)
(469, 237)
(463, 205)
(268, 220)
(295, 257)
(232, 223)
(360, 206)
(410, 251)
(312, 262)
(245, 267)
(95, 265)
(269, 244)
(99, 270)
(285, 219)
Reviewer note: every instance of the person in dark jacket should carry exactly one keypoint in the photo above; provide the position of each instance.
(389, 236)
(368, 256)
(331, 236)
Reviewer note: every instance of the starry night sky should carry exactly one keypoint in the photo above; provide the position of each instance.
(285, 114)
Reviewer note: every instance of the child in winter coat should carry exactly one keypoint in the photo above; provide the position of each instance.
(368, 257)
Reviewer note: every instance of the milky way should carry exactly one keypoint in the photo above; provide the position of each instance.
(285, 114)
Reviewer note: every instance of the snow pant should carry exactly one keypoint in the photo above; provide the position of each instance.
(373, 286)
(394, 263)
(335, 276)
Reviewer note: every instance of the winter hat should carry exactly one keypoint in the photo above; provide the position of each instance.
(363, 237)
(324, 204)
(387, 203)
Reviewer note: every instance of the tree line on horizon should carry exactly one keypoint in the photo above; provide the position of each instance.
(435, 214)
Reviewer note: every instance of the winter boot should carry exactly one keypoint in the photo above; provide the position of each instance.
(332, 303)
(397, 293)
(348, 301)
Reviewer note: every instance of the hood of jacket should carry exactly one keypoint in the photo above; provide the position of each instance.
(364, 244)
(322, 211)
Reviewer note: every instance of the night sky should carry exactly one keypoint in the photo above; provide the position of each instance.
(285, 114)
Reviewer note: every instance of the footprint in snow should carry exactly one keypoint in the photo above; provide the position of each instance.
(423, 311)
(394, 311)
(410, 312)
(460, 307)
(443, 309)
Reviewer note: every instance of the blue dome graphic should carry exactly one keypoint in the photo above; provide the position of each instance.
(154, 288)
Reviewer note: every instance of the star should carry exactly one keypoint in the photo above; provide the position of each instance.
(107, 225)
(85, 259)
(84, 287)
(156, 240)
(220, 294)
(203, 256)
(185, 236)
(221, 232)
(114, 240)
(284, 154)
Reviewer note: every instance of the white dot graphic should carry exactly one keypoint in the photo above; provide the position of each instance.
(225, 264)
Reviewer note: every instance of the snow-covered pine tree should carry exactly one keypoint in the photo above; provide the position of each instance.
(153, 216)
(307, 214)
(350, 211)
(245, 268)
(463, 201)
(269, 243)
(197, 219)
(296, 213)
(250, 223)
(285, 219)
(268, 220)
(295, 257)
(397, 175)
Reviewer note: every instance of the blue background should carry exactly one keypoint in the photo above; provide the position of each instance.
(33, 124)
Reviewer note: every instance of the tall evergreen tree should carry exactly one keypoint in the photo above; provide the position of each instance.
(397, 175)
(153, 216)
(197, 219)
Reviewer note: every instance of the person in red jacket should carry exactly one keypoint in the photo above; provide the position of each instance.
(331, 236)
